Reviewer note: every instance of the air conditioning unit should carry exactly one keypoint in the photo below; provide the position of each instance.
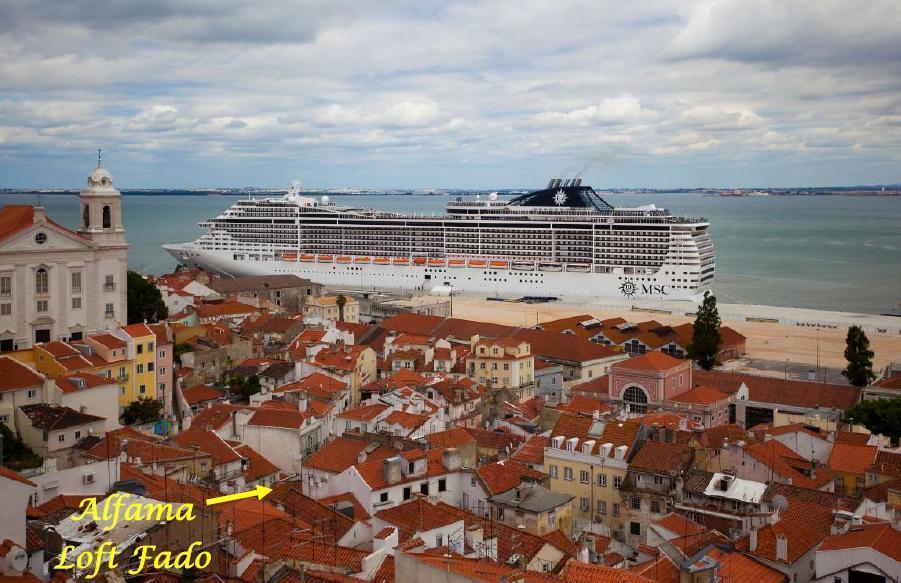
(87, 479)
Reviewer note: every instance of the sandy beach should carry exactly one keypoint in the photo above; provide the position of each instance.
(766, 340)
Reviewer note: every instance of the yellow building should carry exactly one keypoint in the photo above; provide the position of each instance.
(501, 362)
(588, 458)
(141, 346)
(326, 307)
(103, 355)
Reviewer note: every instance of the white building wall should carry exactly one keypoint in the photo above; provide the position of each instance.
(102, 401)
(94, 478)
(806, 445)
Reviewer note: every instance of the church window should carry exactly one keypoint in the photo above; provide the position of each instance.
(76, 282)
(107, 220)
(6, 286)
(40, 238)
(86, 216)
(42, 306)
(41, 281)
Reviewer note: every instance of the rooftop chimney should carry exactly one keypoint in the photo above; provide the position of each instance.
(391, 470)
(753, 543)
(781, 547)
(451, 458)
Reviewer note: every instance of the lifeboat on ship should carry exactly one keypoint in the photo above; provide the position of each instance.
(381, 261)
(477, 263)
(362, 259)
(436, 262)
(308, 257)
(498, 264)
(344, 259)
(289, 256)
(456, 263)
(523, 265)
(550, 266)
(325, 258)
(419, 260)
(579, 267)
(400, 261)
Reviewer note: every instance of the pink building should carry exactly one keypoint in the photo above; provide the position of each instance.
(649, 380)
(165, 378)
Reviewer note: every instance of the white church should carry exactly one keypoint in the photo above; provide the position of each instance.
(59, 284)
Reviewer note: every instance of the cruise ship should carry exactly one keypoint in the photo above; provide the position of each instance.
(564, 240)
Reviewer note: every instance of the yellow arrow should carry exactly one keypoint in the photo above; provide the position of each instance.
(259, 492)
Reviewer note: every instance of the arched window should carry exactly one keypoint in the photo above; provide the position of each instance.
(86, 216)
(636, 399)
(107, 221)
(41, 281)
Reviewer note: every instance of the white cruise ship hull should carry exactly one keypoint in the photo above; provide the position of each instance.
(505, 282)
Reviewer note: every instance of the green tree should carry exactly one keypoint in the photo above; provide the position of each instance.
(145, 302)
(142, 411)
(706, 340)
(341, 301)
(16, 455)
(859, 371)
(879, 416)
(246, 386)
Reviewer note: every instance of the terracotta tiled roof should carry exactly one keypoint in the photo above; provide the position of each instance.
(56, 418)
(301, 548)
(137, 330)
(224, 309)
(15, 218)
(277, 417)
(812, 496)
(575, 572)
(582, 405)
(498, 440)
(803, 525)
(893, 382)
(14, 376)
(372, 474)
(257, 465)
(653, 360)
(785, 462)
(344, 359)
(416, 516)
(209, 442)
(679, 525)
(616, 432)
(15, 476)
(562, 542)
(215, 415)
(598, 386)
(882, 538)
(715, 437)
(662, 458)
(166, 489)
(199, 393)
(510, 540)
(553, 346)
(504, 475)
(385, 572)
(74, 382)
(454, 437)
(316, 384)
(887, 463)
(532, 451)
(854, 438)
(62, 503)
(879, 493)
(139, 446)
(700, 395)
(780, 391)
(326, 522)
(852, 459)
(341, 453)
(409, 421)
(346, 500)
(109, 341)
(364, 413)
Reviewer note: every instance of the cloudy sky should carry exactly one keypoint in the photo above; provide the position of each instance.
(425, 93)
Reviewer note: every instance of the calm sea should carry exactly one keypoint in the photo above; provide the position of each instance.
(828, 252)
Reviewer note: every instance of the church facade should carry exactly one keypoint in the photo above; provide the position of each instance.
(59, 284)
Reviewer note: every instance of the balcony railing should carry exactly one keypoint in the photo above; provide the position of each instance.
(108, 287)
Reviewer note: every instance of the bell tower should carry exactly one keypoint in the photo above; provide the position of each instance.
(101, 209)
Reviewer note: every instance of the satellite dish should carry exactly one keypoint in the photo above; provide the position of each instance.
(492, 196)
(779, 502)
(325, 199)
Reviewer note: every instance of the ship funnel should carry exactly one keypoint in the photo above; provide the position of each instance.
(566, 183)
(557, 183)
(551, 182)
(577, 181)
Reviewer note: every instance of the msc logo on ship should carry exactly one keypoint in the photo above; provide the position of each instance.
(630, 288)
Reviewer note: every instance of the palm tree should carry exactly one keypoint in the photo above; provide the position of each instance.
(340, 301)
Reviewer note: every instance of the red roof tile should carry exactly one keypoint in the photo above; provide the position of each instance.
(532, 451)
(653, 360)
(277, 417)
(416, 516)
(15, 477)
(257, 465)
(662, 458)
(454, 437)
(74, 382)
(679, 525)
(109, 341)
(582, 405)
(700, 395)
(803, 525)
(852, 459)
(881, 537)
(409, 421)
(199, 393)
(550, 345)
(504, 475)
(209, 442)
(342, 452)
(575, 572)
(364, 412)
(14, 376)
(785, 462)
(215, 415)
